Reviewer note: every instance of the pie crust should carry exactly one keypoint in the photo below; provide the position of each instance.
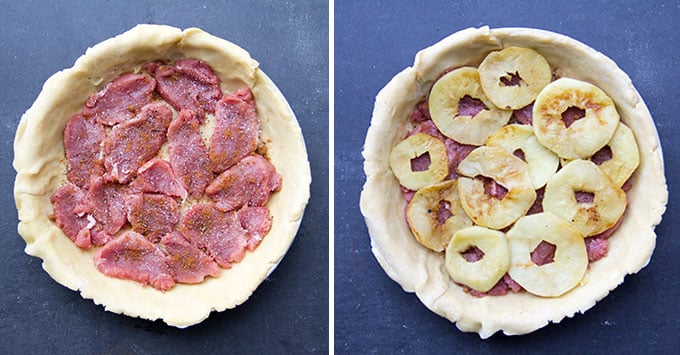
(41, 168)
(420, 270)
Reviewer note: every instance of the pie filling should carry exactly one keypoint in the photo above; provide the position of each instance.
(164, 176)
(531, 159)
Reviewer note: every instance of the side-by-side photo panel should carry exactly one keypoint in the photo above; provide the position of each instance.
(166, 177)
(499, 178)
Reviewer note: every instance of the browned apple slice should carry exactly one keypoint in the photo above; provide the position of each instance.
(574, 118)
(506, 170)
(435, 214)
(513, 77)
(581, 194)
(460, 109)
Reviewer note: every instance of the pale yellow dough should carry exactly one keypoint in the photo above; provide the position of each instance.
(40, 164)
(420, 270)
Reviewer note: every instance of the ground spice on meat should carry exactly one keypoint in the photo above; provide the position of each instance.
(141, 210)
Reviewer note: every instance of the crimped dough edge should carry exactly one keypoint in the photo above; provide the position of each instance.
(40, 164)
(422, 271)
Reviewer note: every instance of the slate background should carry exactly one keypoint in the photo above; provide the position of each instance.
(289, 311)
(376, 40)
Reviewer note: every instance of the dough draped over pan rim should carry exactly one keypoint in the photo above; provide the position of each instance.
(41, 167)
(423, 271)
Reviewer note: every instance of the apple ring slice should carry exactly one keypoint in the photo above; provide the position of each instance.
(542, 162)
(484, 273)
(414, 147)
(573, 118)
(435, 214)
(507, 170)
(513, 77)
(466, 125)
(568, 264)
(625, 156)
(599, 211)
(619, 158)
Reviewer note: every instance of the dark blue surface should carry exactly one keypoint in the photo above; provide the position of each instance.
(289, 311)
(376, 40)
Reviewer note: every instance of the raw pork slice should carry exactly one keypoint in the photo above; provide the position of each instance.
(105, 201)
(74, 225)
(236, 130)
(257, 222)
(248, 183)
(523, 115)
(217, 233)
(152, 215)
(131, 144)
(597, 248)
(188, 153)
(189, 84)
(120, 100)
(597, 245)
(82, 143)
(188, 263)
(130, 256)
(157, 176)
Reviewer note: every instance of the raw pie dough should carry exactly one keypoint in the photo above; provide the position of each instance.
(41, 168)
(420, 270)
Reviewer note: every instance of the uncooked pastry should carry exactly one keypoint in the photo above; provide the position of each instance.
(420, 270)
(40, 164)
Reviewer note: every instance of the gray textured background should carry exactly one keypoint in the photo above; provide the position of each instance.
(289, 311)
(376, 40)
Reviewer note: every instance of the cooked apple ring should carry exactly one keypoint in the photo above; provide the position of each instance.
(484, 273)
(413, 147)
(513, 77)
(607, 201)
(623, 156)
(542, 162)
(585, 135)
(435, 214)
(464, 127)
(568, 264)
(507, 170)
